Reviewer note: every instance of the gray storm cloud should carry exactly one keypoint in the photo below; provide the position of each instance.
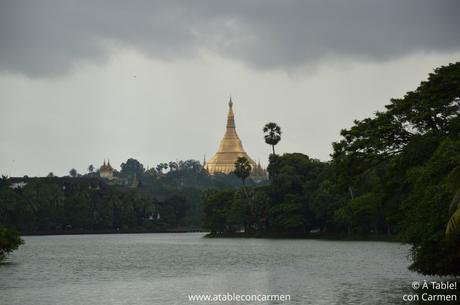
(49, 38)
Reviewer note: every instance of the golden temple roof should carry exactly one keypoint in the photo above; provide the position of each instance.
(230, 149)
(106, 167)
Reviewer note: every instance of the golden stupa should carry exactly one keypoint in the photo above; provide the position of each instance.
(230, 149)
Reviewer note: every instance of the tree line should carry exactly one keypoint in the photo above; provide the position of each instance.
(165, 197)
(52, 205)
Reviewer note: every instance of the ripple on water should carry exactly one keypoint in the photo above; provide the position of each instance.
(164, 268)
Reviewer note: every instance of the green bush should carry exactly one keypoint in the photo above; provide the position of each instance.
(9, 241)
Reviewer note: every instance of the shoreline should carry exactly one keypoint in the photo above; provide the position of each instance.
(272, 235)
(330, 236)
(109, 232)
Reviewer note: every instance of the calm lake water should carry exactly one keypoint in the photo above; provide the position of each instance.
(164, 269)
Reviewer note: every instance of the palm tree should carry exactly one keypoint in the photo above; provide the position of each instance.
(272, 134)
(242, 168)
(453, 226)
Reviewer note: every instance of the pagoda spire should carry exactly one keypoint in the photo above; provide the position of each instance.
(231, 115)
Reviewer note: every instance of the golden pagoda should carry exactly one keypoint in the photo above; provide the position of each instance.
(106, 170)
(230, 149)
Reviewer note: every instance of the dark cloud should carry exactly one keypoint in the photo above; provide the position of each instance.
(47, 38)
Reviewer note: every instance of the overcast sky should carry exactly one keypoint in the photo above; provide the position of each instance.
(81, 81)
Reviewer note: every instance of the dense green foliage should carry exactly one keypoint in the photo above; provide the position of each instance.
(9, 241)
(453, 226)
(300, 198)
(132, 167)
(165, 197)
(57, 204)
(407, 156)
(230, 210)
(396, 173)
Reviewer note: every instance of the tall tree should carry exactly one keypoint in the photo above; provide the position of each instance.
(73, 172)
(242, 168)
(272, 134)
(131, 167)
(399, 162)
(91, 168)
